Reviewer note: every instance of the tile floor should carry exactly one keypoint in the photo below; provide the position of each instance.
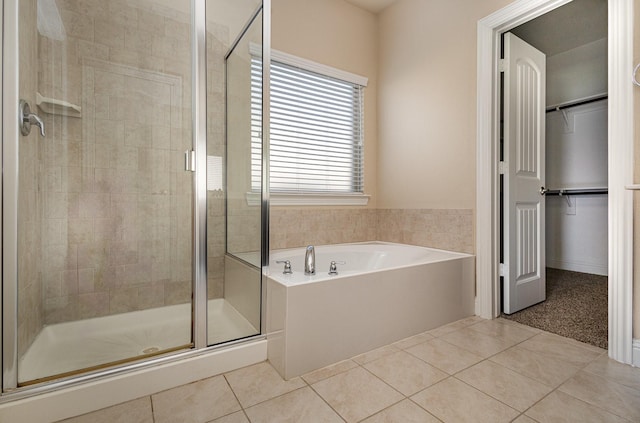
(472, 370)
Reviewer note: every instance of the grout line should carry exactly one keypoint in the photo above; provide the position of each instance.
(153, 413)
(224, 376)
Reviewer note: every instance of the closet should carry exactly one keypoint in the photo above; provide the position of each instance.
(573, 38)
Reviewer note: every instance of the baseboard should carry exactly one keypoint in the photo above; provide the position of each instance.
(81, 399)
(635, 357)
(577, 266)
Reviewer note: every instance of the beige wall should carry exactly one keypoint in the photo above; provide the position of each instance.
(427, 102)
(337, 34)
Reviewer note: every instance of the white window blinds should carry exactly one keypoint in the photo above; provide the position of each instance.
(316, 131)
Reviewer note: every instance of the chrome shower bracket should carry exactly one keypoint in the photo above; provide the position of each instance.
(26, 119)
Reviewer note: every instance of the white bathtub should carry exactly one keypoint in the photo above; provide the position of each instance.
(385, 292)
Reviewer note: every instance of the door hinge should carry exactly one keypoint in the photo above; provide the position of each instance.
(502, 168)
(190, 161)
(501, 65)
(502, 270)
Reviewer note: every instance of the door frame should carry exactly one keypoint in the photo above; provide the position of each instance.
(620, 151)
(9, 192)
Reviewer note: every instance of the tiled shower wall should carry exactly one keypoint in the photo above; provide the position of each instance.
(117, 201)
(449, 229)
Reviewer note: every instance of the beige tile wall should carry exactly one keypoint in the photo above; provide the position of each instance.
(117, 201)
(291, 228)
(448, 229)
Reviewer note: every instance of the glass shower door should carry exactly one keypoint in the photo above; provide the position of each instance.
(235, 235)
(101, 254)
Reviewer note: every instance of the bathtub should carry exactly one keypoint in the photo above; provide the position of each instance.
(383, 293)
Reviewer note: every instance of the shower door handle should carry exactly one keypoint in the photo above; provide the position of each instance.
(26, 119)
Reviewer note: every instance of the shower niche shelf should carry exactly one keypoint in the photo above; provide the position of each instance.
(54, 106)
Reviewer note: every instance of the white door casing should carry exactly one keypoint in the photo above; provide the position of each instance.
(524, 143)
(621, 123)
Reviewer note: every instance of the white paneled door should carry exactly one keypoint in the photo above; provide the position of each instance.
(524, 143)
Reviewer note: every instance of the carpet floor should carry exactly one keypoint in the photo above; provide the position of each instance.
(576, 307)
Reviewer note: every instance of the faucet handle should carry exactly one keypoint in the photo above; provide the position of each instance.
(287, 266)
(333, 268)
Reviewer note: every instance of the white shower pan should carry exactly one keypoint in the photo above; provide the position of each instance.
(67, 347)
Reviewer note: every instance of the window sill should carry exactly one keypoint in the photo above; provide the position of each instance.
(310, 199)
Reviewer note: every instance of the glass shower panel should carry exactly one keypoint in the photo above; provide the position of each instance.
(104, 202)
(234, 231)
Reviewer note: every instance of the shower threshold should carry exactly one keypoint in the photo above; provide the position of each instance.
(69, 347)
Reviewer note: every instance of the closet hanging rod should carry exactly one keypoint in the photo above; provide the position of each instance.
(580, 102)
(586, 191)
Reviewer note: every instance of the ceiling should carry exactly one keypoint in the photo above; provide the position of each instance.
(574, 24)
(374, 6)
(567, 27)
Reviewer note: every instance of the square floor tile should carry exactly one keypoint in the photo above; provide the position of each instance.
(405, 372)
(623, 374)
(326, 372)
(560, 348)
(196, 402)
(524, 419)
(520, 325)
(375, 354)
(559, 407)
(237, 417)
(260, 382)
(444, 356)
(403, 344)
(453, 401)
(477, 342)
(548, 370)
(454, 326)
(513, 389)
(138, 410)
(500, 329)
(603, 393)
(356, 394)
(403, 412)
(301, 405)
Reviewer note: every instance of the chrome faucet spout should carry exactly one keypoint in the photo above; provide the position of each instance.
(310, 261)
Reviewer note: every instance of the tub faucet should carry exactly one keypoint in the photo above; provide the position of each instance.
(310, 261)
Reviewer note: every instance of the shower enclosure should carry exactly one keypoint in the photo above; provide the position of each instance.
(127, 234)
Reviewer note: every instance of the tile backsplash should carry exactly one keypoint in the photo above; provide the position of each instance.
(449, 229)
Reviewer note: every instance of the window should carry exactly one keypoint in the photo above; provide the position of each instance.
(316, 128)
